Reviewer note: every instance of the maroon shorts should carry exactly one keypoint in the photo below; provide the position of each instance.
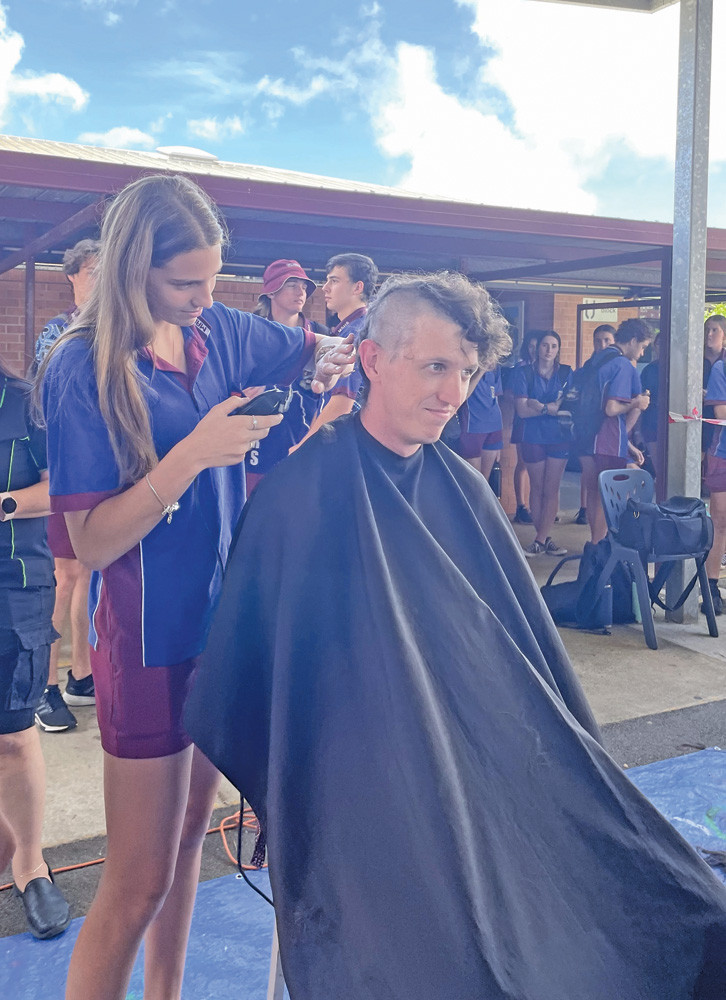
(715, 478)
(472, 445)
(605, 462)
(58, 539)
(140, 708)
(533, 453)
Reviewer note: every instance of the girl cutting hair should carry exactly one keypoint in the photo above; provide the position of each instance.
(145, 458)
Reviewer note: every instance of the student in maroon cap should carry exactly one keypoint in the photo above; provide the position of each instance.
(285, 290)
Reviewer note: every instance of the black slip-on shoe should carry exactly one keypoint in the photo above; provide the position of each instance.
(46, 911)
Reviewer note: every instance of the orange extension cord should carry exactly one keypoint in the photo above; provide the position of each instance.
(249, 822)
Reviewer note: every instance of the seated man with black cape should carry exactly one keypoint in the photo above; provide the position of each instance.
(386, 688)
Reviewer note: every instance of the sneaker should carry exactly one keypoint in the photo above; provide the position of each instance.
(535, 549)
(52, 714)
(79, 692)
(551, 548)
(581, 516)
(522, 515)
(715, 597)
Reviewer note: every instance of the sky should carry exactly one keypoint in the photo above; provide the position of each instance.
(502, 102)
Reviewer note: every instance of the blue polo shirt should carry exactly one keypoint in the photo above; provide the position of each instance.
(527, 383)
(305, 405)
(156, 602)
(619, 380)
(716, 396)
(485, 414)
(350, 385)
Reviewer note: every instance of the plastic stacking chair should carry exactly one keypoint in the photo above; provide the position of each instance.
(616, 487)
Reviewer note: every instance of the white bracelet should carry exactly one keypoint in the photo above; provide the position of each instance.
(168, 509)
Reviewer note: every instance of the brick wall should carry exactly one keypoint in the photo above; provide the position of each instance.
(52, 296)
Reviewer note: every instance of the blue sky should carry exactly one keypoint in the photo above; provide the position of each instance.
(504, 102)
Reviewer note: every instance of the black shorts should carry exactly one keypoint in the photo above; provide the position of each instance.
(26, 635)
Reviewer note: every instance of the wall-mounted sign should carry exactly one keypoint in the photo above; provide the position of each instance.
(609, 315)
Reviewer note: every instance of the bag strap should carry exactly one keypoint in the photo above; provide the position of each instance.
(559, 566)
(658, 582)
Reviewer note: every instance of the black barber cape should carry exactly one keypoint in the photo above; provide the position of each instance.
(385, 687)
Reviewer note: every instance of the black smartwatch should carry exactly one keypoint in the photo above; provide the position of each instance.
(8, 505)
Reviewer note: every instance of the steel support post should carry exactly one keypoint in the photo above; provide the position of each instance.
(689, 265)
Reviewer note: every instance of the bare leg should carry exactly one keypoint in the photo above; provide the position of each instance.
(145, 805)
(7, 843)
(66, 571)
(536, 471)
(521, 480)
(81, 650)
(553, 471)
(22, 793)
(717, 510)
(487, 460)
(166, 938)
(475, 462)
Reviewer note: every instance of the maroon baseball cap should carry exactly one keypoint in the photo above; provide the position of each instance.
(277, 273)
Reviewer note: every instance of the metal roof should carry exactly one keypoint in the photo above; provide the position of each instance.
(646, 6)
(52, 194)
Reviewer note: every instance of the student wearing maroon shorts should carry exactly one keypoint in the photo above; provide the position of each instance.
(481, 439)
(538, 392)
(146, 463)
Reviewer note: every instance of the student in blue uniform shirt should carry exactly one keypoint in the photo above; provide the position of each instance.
(146, 462)
(538, 391)
(602, 336)
(481, 440)
(285, 290)
(349, 284)
(623, 400)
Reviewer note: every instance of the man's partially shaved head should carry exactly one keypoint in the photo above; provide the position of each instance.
(402, 298)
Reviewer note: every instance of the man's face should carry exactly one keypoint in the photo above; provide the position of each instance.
(82, 282)
(339, 291)
(417, 388)
(602, 339)
(634, 349)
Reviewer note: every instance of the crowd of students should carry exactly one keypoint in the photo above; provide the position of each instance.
(148, 461)
(605, 415)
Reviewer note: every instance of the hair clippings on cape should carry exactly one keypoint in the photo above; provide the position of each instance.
(168, 509)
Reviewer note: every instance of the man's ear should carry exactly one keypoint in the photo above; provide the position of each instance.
(358, 289)
(369, 353)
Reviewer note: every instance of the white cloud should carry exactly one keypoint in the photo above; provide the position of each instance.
(458, 151)
(212, 128)
(16, 87)
(294, 94)
(119, 137)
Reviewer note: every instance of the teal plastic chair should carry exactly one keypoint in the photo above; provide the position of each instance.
(617, 486)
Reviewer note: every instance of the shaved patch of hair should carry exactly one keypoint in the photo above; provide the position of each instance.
(403, 297)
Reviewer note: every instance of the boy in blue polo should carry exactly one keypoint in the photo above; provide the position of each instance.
(623, 400)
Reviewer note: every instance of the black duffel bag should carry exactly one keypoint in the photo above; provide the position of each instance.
(678, 526)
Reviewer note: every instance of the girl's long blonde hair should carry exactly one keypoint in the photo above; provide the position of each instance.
(149, 222)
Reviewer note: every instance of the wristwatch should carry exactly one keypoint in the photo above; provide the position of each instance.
(8, 506)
